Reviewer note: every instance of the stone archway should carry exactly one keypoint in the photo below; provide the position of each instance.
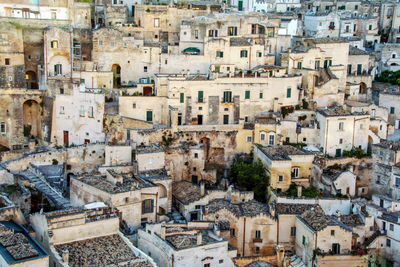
(31, 80)
(116, 69)
(31, 118)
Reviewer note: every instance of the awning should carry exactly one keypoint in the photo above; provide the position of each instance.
(191, 50)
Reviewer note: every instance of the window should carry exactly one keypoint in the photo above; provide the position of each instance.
(317, 64)
(378, 179)
(280, 178)
(261, 95)
(61, 109)
(196, 34)
(149, 115)
(304, 240)
(247, 95)
(271, 139)
(257, 249)
(299, 64)
(259, 54)
(295, 173)
(53, 15)
(232, 232)
(370, 27)
(90, 112)
(61, 91)
(57, 69)
(289, 92)
(54, 44)
(243, 53)
(200, 97)
(232, 31)
(341, 126)
(292, 231)
(262, 136)
(249, 139)
(258, 234)
(206, 265)
(388, 243)
(157, 23)
(7, 61)
(145, 69)
(213, 33)
(349, 69)
(196, 155)
(356, 7)
(125, 45)
(181, 97)
(100, 43)
(221, 261)
(227, 97)
(391, 227)
(133, 105)
(341, 141)
(82, 113)
(359, 69)
(219, 54)
(3, 127)
(332, 232)
(147, 206)
(391, 110)
(397, 182)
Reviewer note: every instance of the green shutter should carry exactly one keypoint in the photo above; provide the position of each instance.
(299, 65)
(143, 206)
(152, 205)
(325, 63)
(330, 62)
(200, 96)
(247, 95)
(261, 95)
(270, 73)
(289, 92)
(221, 54)
(149, 115)
(359, 69)
(182, 97)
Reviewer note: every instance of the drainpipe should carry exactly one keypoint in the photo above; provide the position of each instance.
(277, 231)
(244, 234)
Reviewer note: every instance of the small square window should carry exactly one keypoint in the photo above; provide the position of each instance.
(7, 61)
(61, 91)
(134, 105)
(332, 232)
(196, 155)
(145, 69)
(249, 139)
(340, 141)
(280, 178)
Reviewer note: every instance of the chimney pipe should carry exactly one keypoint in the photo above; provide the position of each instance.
(163, 232)
(199, 239)
(202, 189)
(65, 256)
(299, 190)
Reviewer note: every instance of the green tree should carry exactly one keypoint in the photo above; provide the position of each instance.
(251, 176)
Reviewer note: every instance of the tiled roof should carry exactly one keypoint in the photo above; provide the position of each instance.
(248, 209)
(186, 192)
(282, 152)
(287, 208)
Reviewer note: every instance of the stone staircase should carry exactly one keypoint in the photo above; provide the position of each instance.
(43, 186)
(368, 241)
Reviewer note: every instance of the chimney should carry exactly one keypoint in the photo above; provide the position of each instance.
(351, 168)
(299, 190)
(163, 231)
(280, 255)
(199, 238)
(202, 189)
(65, 256)
(205, 210)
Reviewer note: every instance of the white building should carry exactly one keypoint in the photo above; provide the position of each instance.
(78, 118)
(322, 24)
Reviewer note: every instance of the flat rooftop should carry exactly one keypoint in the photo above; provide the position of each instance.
(101, 251)
(16, 245)
(282, 152)
(154, 174)
(334, 111)
(129, 182)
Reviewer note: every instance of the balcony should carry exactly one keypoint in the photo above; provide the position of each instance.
(257, 240)
(331, 27)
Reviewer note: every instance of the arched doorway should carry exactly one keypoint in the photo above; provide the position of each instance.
(363, 88)
(116, 69)
(31, 80)
(31, 118)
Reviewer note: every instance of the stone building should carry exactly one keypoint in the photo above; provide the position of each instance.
(78, 117)
(285, 165)
(384, 180)
(320, 234)
(248, 225)
(342, 130)
(194, 244)
(89, 236)
(19, 248)
(137, 199)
